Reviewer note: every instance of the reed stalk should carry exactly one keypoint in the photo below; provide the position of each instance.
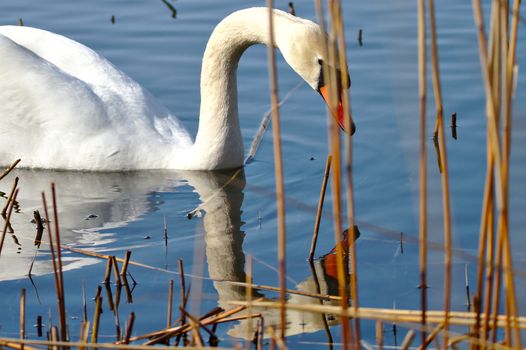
(11, 193)
(444, 176)
(408, 340)
(9, 169)
(158, 336)
(457, 318)
(320, 207)
(278, 168)
(323, 316)
(116, 271)
(23, 314)
(61, 301)
(54, 338)
(96, 319)
(170, 304)
(124, 267)
(107, 273)
(501, 163)
(248, 297)
(422, 93)
(58, 286)
(346, 102)
(129, 328)
(379, 335)
(7, 220)
(183, 289)
(329, 73)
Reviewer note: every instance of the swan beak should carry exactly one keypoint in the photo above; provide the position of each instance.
(349, 127)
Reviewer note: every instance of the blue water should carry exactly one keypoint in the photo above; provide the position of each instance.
(164, 54)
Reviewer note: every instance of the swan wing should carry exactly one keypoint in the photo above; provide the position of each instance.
(62, 105)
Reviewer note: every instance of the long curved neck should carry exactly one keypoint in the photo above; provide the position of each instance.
(218, 142)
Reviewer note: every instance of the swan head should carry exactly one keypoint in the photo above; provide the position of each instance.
(303, 51)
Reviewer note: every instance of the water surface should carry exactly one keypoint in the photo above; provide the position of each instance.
(112, 213)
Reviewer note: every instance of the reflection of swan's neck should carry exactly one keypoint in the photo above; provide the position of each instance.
(218, 142)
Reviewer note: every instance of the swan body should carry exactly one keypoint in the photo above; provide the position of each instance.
(64, 106)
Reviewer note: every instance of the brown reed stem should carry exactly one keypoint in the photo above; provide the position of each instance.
(183, 289)
(278, 167)
(337, 21)
(379, 335)
(320, 207)
(248, 297)
(408, 340)
(96, 319)
(129, 328)
(490, 272)
(170, 303)
(107, 272)
(329, 73)
(115, 271)
(214, 317)
(7, 220)
(84, 333)
(501, 170)
(323, 316)
(54, 337)
(496, 298)
(432, 336)
(198, 322)
(11, 193)
(61, 301)
(124, 267)
(9, 169)
(444, 175)
(23, 314)
(422, 93)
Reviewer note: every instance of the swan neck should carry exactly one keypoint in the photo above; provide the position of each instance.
(219, 134)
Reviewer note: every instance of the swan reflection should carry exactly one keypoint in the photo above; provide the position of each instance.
(90, 202)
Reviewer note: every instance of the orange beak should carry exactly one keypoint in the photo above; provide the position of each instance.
(348, 126)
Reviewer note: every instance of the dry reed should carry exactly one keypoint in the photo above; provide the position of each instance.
(9, 169)
(317, 220)
(422, 92)
(278, 168)
(330, 75)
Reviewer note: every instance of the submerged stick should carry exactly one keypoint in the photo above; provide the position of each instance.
(320, 207)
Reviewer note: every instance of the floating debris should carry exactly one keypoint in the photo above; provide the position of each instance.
(170, 6)
(360, 36)
(292, 11)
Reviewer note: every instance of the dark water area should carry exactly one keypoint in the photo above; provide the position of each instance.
(115, 212)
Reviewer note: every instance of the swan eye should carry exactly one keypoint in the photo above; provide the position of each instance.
(320, 61)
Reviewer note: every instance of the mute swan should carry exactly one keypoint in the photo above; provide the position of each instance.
(64, 106)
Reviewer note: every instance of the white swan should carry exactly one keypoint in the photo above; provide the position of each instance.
(63, 106)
